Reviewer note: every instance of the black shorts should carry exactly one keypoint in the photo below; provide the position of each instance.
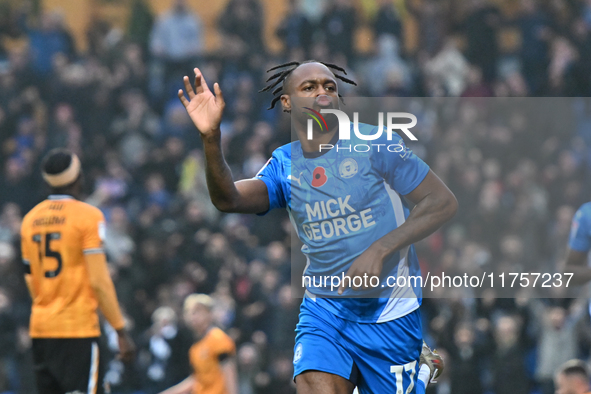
(68, 365)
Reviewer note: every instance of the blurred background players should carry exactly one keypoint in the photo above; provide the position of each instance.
(67, 276)
(212, 356)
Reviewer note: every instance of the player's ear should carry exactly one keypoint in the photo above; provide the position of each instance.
(286, 103)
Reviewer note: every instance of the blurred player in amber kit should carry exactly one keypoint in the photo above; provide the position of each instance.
(212, 355)
(67, 276)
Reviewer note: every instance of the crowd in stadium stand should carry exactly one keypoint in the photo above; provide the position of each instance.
(115, 105)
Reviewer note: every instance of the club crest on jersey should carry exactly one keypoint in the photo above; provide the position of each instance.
(348, 168)
(319, 177)
(298, 353)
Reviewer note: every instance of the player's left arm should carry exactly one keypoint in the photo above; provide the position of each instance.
(576, 263)
(93, 228)
(579, 244)
(184, 387)
(27, 262)
(434, 203)
(226, 351)
(228, 366)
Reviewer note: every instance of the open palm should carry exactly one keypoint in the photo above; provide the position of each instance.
(203, 107)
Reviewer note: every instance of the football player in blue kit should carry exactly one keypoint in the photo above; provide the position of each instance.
(348, 211)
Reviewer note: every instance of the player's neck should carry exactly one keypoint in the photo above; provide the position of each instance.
(202, 332)
(313, 145)
(71, 191)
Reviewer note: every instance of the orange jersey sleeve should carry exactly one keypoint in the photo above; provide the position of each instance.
(222, 343)
(92, 228)
(56, 235)
(205, 359)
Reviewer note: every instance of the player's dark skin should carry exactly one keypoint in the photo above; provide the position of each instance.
(576, 262)
(126, 345)
(434, 202)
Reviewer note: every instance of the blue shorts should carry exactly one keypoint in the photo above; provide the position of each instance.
(376, 357)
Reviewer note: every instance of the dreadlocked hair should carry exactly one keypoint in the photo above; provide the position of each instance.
(281, 76)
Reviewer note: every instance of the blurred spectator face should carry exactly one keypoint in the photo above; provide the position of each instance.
(133, 54)
(247, 356)
(491, 169)
(285, 299)
(263, 131)
(180, 5)
(64, 114)
(174, 146)
(270, 280)
(150, 251)
(4, 301)
(118, 218)
(133, 101)
(11, 214)
(6, 254)
(198, 317)
(283, 368)
(567, 163)
(464, 336)
(195, 272)
(474, 75)
(177, 116)
(47, 21)
(26, 126)
(564, 216)
(18, 59)
(14, 169)
(276, 253)
(59, 62)
(155, 183)
(217, 246)
(162, 317)
(571, 384)
(512, 248)
(556, 317)
(256, 270)
(528, 6)
(194, 212)
(506, 332)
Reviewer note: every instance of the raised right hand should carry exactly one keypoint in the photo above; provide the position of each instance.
(203, 107)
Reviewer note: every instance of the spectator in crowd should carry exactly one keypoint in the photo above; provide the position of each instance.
(481, 26)
(535, 35)
(508, 364)
(241, 24)
(387, 21)
(387, 73)
(557, 342)
(465, 361)
(177, 38)
(168, 343)
(50, 39)
(176, 42)
(338, 25)
(7, 335)
(295, 31)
